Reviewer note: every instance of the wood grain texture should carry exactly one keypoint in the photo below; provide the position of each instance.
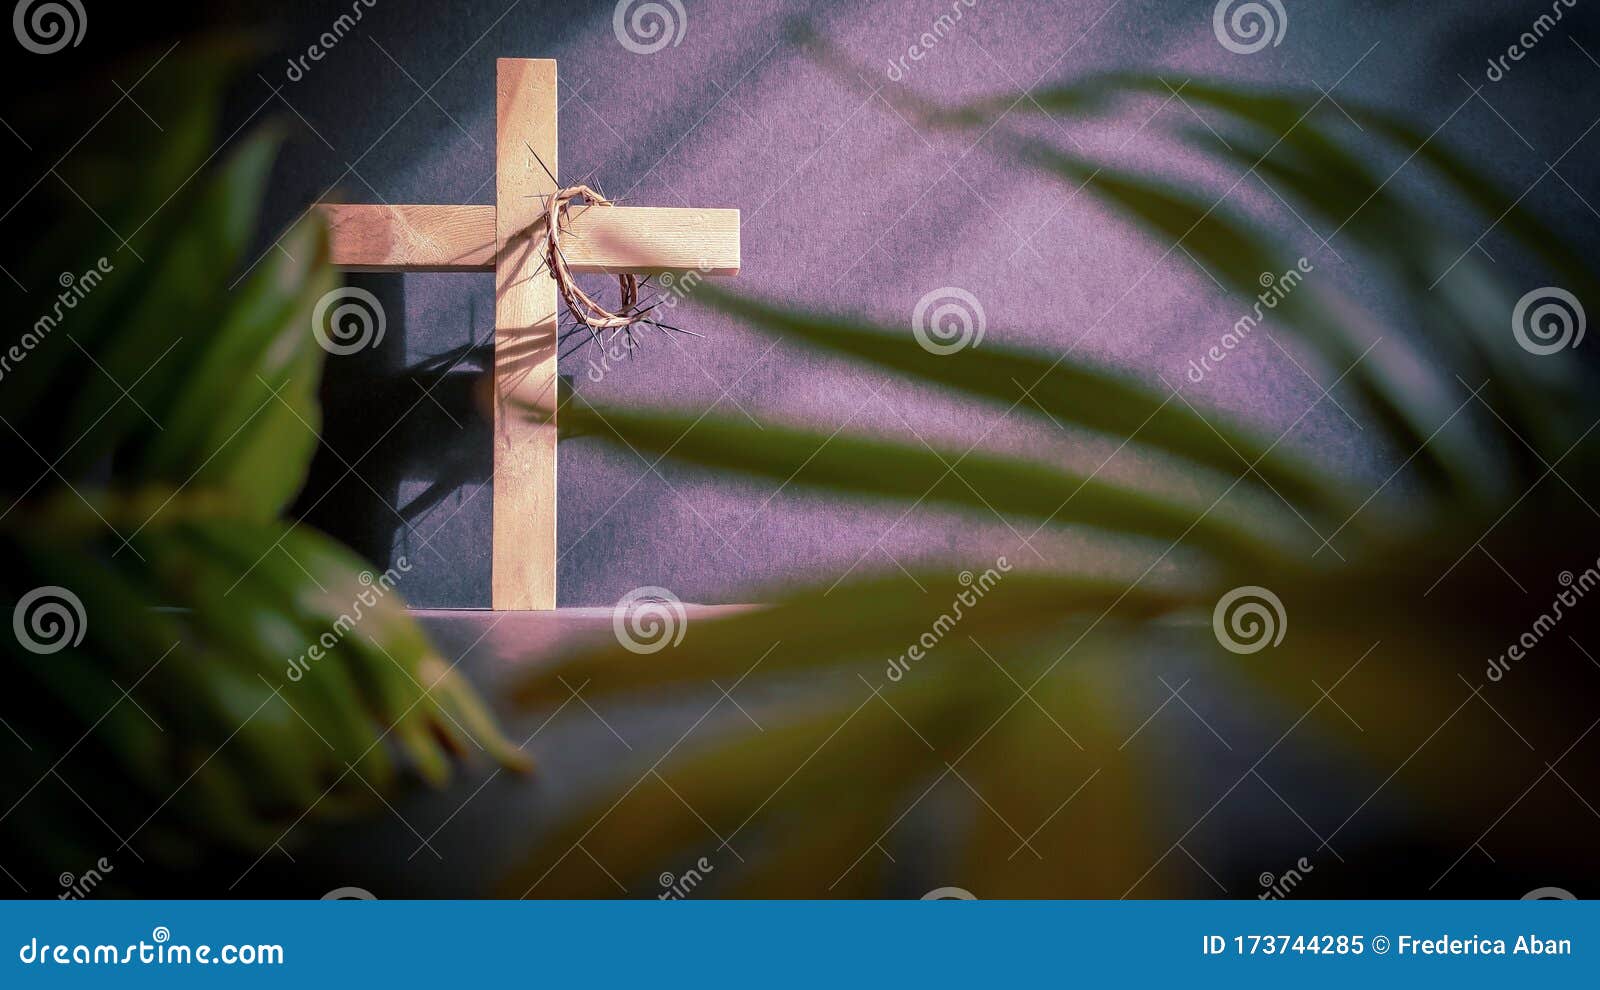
(411, 238)
(639, 239)
(644, 239)
(524, 561)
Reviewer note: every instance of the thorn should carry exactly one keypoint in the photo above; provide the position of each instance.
(542, 165)
(671, 327)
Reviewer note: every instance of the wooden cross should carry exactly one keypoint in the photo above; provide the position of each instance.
(506, 239)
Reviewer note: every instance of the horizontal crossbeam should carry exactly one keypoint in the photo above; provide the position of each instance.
(601, 239)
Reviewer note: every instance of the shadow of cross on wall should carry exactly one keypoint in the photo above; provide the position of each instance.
(507, 239)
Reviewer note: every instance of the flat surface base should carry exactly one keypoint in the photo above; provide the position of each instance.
(489, 643)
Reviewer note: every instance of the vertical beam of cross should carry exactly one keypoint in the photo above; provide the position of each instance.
(525, 328)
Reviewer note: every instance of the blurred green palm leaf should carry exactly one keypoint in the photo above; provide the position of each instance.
(1392, 606)
(235, 674)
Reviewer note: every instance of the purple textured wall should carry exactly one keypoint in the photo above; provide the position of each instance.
(846, 205)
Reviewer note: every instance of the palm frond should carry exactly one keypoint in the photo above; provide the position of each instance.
(223, 675)
(1393, 613)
